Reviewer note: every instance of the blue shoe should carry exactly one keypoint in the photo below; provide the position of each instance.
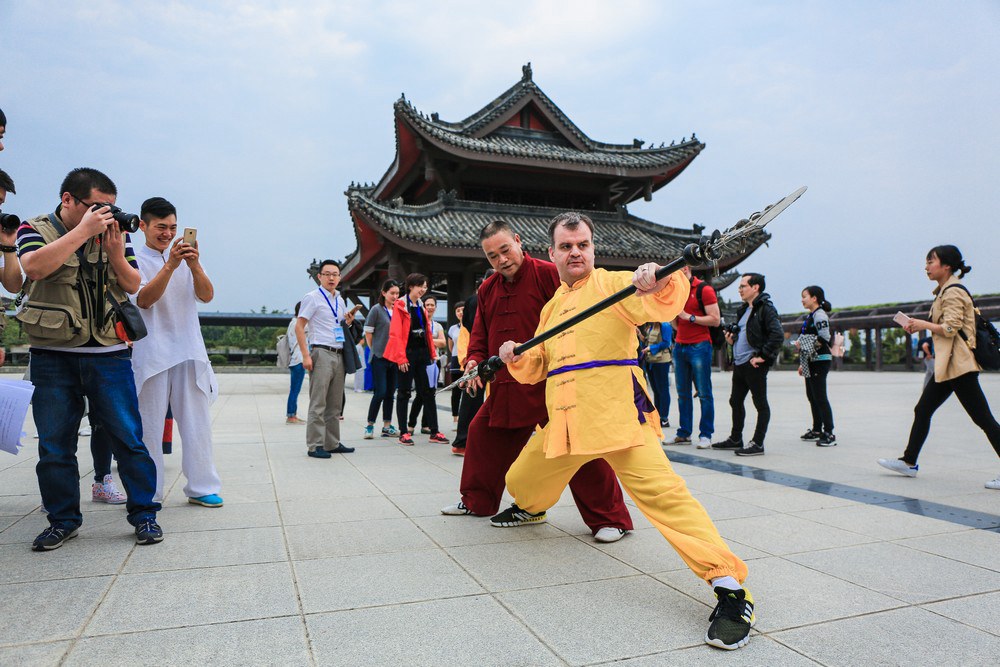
(320, 454)
(148, 532)
(369, 432)
(211, 500)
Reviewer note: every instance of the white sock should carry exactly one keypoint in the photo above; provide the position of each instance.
(726, 582)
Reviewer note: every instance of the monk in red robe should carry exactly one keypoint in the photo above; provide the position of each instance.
(510, 302)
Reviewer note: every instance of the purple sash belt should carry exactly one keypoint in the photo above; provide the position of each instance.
(593, 364)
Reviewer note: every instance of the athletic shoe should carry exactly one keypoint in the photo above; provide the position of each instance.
(679, 440)
(752, 449)
(390, 431)
(811, 434)
(341, 449)
(456, 509)
(458, 451)
(320, 454)
(731, 619)
(369, 432)
(515, 516)
(728, 443)
(52, 538)
(900, 466)
(439, 438)
(609, 534)
(294, 420)
(406, 439)
(993, 484)
(148, 532)
(704, 443)
(85, 431)
(827, 440)
(426, 430)
(664, 423)
(107, 492)
(211, 500)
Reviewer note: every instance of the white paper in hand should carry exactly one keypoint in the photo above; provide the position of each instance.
(15, 396)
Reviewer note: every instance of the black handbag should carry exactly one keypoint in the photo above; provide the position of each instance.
(129, 325)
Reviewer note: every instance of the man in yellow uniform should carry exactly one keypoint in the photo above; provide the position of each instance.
(599, 407)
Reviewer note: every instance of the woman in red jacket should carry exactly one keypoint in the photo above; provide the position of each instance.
(411, 347)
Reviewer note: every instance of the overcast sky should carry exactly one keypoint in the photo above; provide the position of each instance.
(253, 117)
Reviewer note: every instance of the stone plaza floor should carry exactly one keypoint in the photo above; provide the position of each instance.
(348, 561)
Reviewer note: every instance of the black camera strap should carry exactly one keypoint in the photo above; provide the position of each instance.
(100, 277)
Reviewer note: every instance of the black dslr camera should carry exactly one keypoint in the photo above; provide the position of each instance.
(127, 222)
(9, 222)
(733, 329)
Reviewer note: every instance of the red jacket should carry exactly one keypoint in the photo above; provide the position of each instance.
(399, 333)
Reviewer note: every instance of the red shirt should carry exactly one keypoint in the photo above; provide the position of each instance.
(687, 332)
(510, 311)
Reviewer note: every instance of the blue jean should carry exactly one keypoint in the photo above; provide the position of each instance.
(61, 381)
(659, 378)
(298, 373)
(693, 363)
(384, 381)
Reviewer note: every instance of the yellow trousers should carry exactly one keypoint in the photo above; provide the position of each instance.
(661, 495)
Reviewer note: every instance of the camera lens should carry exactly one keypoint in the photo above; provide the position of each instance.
(127, 222)
(9, 222)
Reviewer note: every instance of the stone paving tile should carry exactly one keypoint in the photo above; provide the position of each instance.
(19, 505)
(337, 510)
(187, 517)
(76, 558)
(239, 546)
(880, 522)
(979, 611)
(195, 597)
(425, 504)
(453, 531)
(270, 641)
(542, 562)
(976, 547)
(785, 534)
(441, 633)
(34, 655)
(902, 636)
(603, 620)
(785, 499)
(357, 537)
(67, 607)
(331, 584)
(760, 651)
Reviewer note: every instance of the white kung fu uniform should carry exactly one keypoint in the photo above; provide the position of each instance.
(171, 368)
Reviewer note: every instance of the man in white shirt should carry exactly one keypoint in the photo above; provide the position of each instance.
(171, 364)
(324, 310)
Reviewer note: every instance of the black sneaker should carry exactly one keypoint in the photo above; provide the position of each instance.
(752, 449)
(728, 443)
(53, 538)
(810, 435)
(148, 532)
(515, 516)
(827, 440)
(731, 619)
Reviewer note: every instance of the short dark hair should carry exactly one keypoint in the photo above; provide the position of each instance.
(6, 182)
(297, 306)
(951, 257)
(569, 220)
(82, 180)
(429, 297)
(156, 207)
(494, 228)
(329, 262)
(415, 279)
(755, 279)
(3, 122)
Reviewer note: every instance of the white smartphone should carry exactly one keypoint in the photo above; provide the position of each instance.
(901, 319)
(191, 236)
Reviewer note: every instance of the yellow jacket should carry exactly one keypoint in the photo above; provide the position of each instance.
(953, 309)
(593, 410)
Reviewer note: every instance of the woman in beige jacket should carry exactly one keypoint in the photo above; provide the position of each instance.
(955, 367)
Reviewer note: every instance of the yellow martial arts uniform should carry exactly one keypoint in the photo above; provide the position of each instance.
(593, 414)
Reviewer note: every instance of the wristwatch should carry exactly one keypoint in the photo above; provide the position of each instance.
(691, 319)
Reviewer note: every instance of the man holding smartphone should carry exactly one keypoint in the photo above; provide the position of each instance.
(171, 363)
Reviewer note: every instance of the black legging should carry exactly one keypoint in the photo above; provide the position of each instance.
(970, 395)
(417, 373)
(819, 402)
(747, 379)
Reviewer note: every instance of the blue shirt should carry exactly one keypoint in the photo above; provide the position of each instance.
(742, 352)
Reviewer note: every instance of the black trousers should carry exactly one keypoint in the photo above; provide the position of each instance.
(819, 402)
(467, 409)
(405, 381)
(747, 379)
(970, 395)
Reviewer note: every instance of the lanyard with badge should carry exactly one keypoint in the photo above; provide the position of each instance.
(338, 329)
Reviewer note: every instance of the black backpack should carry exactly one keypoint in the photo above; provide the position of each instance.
(987, 350)
(717, 335)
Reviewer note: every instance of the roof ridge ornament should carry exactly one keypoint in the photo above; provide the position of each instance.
(637, 143)
(526, 72)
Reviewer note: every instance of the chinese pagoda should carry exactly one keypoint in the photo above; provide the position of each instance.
(518, 159)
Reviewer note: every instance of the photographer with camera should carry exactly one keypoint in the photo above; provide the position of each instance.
(80, 268)
(756, 341)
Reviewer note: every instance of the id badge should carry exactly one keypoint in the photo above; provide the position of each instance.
(338, 334)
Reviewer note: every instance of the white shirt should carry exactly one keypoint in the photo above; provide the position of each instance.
(324, 311)
(174, 332)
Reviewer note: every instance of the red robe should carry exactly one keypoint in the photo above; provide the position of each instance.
(501, 428)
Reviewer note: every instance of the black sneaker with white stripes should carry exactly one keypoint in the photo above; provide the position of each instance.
(53, 538)
(731, 619)
(515, 516)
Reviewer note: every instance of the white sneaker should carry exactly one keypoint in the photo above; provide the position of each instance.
(457, 509)
(704, 443)
(993, 484)
(901, 467)
(609, 534)
(107, 492)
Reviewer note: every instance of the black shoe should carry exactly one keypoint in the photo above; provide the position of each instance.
(752, 449)
(728, 443)
(53, 538)
(515, 516)
(811, 434)
(827, 440)
(148, 532)
(731, 619)
(320, 454)
(341, 450)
